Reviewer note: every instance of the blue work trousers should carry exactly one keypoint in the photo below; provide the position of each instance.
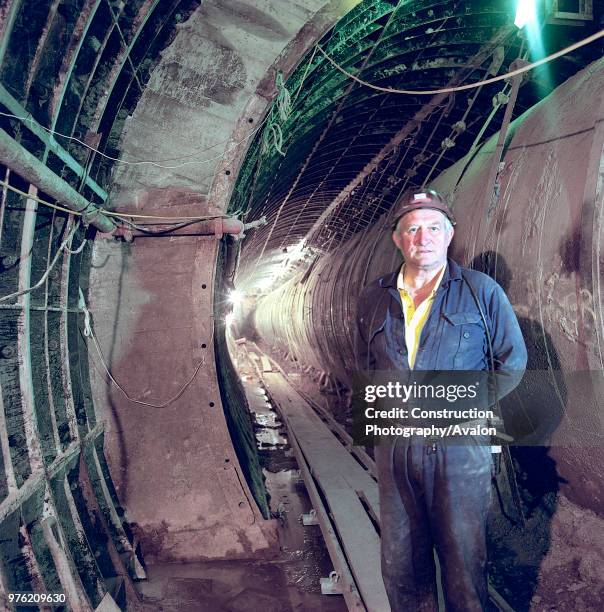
(434, 496)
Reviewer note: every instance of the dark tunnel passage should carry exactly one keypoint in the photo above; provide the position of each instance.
(194, 195)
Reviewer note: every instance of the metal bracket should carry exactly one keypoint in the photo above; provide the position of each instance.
(331, 585)
(310, 518)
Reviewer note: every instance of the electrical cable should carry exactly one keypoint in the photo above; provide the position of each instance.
(39, 200)
(157, 163)
(43, 278)
(501, 77)
(89, 333)
(78, 250)
(163, 230)
(122, 216)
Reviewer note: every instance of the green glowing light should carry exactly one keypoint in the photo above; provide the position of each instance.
(526, 13)
(528, 21)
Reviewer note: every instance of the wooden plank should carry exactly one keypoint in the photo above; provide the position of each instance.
(371, 497)
(358, 451)
(341, 479)
(326, 456)
(349, 588)
(360, 541)
(266, 364)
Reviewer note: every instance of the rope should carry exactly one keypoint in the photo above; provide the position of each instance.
(277, 134)
(284, 100)
(501, 77)
(43, 278)
(122, 216)
(282, 108)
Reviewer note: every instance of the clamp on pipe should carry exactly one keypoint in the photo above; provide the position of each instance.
(237, 228)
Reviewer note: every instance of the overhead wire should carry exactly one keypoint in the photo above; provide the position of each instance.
(462, 122)
(156, 163)
(88, 332)
(320, 139)
(501, 77)
(37, 199)
(122, 216)
(334, 215)
(52, 264)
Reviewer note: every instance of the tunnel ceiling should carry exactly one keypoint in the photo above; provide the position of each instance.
(80, 67)
(350, 150)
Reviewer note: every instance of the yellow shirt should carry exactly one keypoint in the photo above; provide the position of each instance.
(415, 318)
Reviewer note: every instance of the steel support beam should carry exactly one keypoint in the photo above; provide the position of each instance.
(33, 170)
(407, 129)
(51, 144)
(37, 480)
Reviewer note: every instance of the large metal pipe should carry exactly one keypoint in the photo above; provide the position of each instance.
(33, 170)
(541, 238)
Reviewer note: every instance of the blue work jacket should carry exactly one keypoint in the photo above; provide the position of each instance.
(453, 336)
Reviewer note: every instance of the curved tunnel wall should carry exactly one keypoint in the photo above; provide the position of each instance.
(61, 524)
(80, 67)
(545, 227)
(114, 74)
(154, 301)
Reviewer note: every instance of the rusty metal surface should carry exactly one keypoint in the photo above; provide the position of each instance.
(546, 232)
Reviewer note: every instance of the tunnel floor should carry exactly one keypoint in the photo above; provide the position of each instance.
(235, 586)
(551, 564)
(287, 583)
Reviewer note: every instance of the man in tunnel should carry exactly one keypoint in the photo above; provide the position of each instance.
(434, 315)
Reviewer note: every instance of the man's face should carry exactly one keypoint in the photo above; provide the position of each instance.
(422, 237)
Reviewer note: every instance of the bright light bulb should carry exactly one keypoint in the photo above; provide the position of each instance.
(235, 297)
(526, 12)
